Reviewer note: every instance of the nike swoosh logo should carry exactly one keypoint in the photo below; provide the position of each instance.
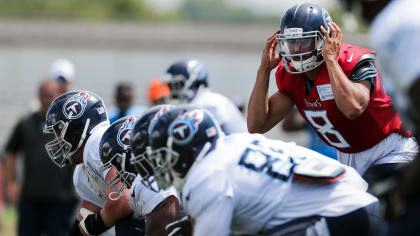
(350, 59)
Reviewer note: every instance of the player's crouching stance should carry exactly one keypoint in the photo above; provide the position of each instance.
(159, 208)
(79, 119)
(247, 184)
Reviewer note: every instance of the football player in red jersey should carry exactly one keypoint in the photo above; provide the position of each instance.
(336, 87)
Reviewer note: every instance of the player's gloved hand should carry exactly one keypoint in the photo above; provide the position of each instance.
(181, 227)
(91, 223)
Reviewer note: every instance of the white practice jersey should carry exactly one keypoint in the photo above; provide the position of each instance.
(223, 110)
(88, 179)
(246, 184)
(83, 188)
(93, 164)
(143, 200)
(396, 37)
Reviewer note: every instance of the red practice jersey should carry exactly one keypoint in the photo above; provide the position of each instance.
(319, 109)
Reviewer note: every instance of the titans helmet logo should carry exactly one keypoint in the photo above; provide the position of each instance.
(183, 129)
(123, 136)
(156, 117)
(75, 106)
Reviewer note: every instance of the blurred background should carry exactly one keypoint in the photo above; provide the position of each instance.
(112, 41)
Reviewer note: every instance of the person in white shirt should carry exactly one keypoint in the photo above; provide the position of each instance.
(248, 184)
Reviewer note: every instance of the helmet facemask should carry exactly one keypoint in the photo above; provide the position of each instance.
(181, 87)
(59, 150)
(302, 49)
(123, 179)
(144, 167)
(163, 160)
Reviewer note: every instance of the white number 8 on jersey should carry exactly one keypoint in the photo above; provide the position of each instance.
(327, 128)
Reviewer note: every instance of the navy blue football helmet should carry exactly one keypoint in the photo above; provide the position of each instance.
(181, 137)
(300, 39)
(71, 118)
(184, 78)
(140, 142)
(115, 152)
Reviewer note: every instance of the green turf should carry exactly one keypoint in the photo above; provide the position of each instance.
(8, 221)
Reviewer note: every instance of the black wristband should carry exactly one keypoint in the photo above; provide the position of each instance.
(75, 230)
(95, 225)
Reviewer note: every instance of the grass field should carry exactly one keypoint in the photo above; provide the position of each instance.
(8, 222)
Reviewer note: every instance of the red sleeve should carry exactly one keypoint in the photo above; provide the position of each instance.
(349, 56)
(282, 80)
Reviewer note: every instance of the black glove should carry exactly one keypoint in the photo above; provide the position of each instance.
(181, 227)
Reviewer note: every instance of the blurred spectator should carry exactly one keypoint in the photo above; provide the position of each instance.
(63, 72)
(46, 200)
(295, 122)
(124, 103)
(158, 92)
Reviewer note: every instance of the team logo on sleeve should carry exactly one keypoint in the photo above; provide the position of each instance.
(183, 129)
(75, 106)
(123, 136)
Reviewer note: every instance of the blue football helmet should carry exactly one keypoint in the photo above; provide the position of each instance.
(300, 39)
(140, 142)
(184, 78)
(71, 118)
(115, 152)
(181, 136)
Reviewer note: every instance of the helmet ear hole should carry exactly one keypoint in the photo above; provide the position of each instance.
(187, 160)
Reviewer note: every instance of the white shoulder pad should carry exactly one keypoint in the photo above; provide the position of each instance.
(318, 170)
(143, 200)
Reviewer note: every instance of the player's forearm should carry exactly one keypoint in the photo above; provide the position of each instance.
(350, 98)
(258, 107)
(10, 168)
(115, 210)
(166, 212)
